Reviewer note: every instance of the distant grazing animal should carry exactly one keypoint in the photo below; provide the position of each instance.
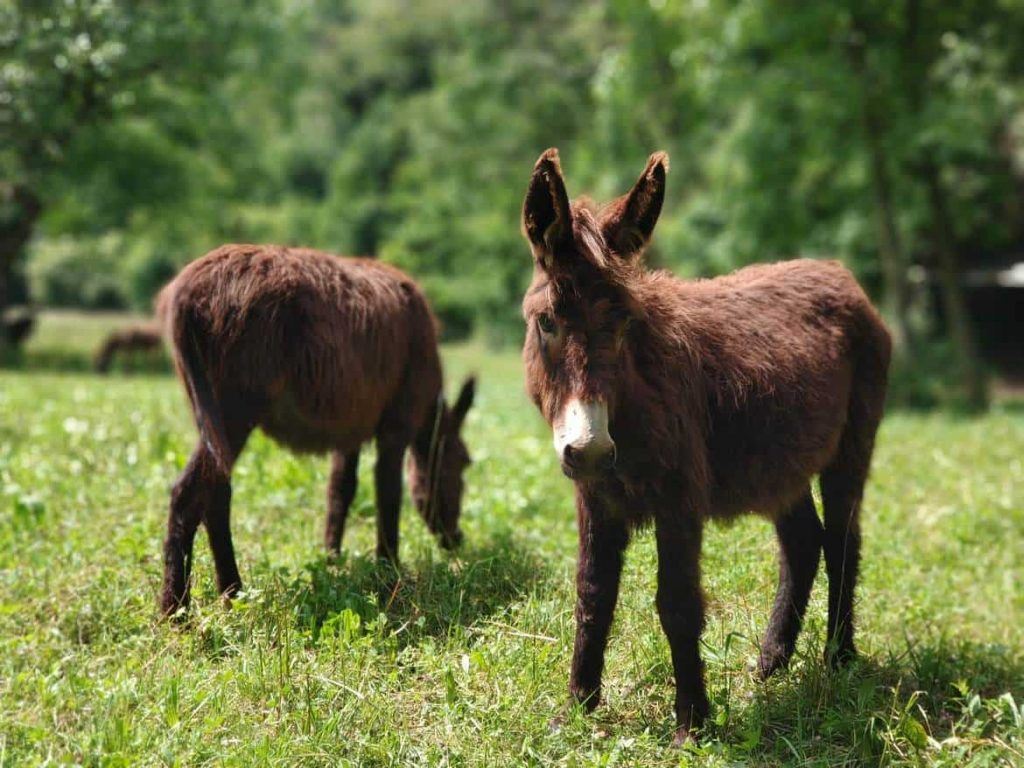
(322, 353)
(144, 337)
(17, 324)
(673, 402)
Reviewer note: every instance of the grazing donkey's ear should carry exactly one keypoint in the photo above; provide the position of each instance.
(546, 219)
(466, 395)
(627, 223)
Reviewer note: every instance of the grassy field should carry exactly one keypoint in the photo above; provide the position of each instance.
(462, 660)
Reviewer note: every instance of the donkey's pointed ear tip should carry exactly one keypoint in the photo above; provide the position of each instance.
(549, 155)
(659, 158)
(465, 399)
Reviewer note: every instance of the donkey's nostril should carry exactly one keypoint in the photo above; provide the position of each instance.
(571, 457)
(595, 456)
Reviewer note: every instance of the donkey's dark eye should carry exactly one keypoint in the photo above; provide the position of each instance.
(546, 323)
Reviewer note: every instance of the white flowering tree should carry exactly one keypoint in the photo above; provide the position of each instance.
(69, 67)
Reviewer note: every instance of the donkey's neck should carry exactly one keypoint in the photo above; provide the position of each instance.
(429, 431)
(662, 404)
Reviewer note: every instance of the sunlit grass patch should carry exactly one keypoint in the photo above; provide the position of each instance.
(463, 659)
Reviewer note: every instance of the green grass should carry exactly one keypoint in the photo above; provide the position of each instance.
(462, 660)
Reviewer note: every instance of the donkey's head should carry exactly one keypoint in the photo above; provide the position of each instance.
(437, 461)
(579, 306)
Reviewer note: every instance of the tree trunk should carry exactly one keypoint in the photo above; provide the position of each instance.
(951, 289)
(892, 258)
(890, 247)
(19, 210)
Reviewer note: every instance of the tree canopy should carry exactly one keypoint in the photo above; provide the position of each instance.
(139, 134)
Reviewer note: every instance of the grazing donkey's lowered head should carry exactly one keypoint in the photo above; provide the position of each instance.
(436, 463)
(579, 308)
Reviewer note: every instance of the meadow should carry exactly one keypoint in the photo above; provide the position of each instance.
(463, 659)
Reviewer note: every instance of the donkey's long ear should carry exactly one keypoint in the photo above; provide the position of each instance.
(462, 405)
(546, 218)
(628, 222)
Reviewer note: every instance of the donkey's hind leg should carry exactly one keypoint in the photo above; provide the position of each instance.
(217, 513)
(842, 487)
(799, 533)
(340, 491)
(201, 485)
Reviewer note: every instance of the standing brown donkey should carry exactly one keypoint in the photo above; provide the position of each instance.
(673, 402)
(323, 354)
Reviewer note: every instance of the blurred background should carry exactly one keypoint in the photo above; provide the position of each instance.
(135, 136)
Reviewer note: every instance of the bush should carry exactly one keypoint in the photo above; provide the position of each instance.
(148, 271)
(77, 272)
(929, 377)
(453, 305)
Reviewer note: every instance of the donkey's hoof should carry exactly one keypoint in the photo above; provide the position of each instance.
(587, 699)
(388, 561)
(770, 661)
(173, 612)
(683, 737)
(173, 603)
(578, 700)
(227, 597)
(841, 657)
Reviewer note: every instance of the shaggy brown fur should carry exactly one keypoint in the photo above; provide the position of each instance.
(323, 354)
(136, 338)
(723, 396)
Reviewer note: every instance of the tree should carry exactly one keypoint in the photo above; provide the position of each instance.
(73, 68)
(875, 131)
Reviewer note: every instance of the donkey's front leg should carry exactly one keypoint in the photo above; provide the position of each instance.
(388, 480)
(603, 539)
(681, 610)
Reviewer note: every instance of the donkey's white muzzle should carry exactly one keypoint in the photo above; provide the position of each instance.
(581, 438)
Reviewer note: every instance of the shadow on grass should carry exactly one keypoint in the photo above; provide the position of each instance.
(879, 709)
(431, 597)
(55, 360)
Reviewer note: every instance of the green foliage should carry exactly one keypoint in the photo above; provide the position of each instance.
(464, 659)
(930, 379)
(65, 273)
(407, 129)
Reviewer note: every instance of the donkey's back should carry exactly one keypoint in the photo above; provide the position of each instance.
(317, 347)
(795, 359)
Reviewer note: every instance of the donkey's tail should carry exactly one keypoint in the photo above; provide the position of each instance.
(186, 339)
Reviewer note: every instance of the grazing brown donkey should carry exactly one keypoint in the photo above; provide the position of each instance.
(323, 354)
(143, 337)
(673, 402)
